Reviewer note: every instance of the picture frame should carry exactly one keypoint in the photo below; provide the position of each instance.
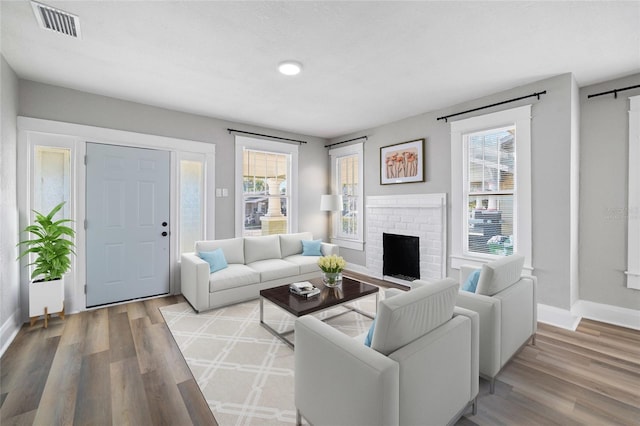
(402, 162)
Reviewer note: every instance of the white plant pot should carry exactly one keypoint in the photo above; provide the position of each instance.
(46, 294)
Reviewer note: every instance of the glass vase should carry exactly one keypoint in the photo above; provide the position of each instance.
(332, 279)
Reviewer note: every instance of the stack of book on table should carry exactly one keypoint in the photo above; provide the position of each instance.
(304, 289)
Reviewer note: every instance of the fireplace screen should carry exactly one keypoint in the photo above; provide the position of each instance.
(401, 256)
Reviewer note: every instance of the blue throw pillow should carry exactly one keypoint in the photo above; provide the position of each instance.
(311, 247)
(215, 259)
(472, 281)
(369, 338)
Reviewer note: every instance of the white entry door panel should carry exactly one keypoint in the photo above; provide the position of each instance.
(127, 223)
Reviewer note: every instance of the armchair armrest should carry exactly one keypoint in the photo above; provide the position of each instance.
(489, 310)
(328, 249)
(475, 346)
(194, 281)
(329, 366)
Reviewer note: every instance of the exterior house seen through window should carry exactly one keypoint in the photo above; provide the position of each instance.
(490, 191)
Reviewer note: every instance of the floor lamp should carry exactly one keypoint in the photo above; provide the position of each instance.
(331, 203)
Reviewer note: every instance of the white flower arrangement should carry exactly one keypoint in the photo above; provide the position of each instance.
(332, 263)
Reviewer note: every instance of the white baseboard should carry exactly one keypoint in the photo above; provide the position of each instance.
(610, 314)
(9, 330)
(361, 270)
(558, 317)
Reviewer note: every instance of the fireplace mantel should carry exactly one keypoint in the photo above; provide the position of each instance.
(420, 215)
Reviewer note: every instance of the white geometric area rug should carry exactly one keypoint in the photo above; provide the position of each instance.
(246, 373)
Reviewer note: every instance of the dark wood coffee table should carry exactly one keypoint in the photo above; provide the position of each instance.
(329, 297)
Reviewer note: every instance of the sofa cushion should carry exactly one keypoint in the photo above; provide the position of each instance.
(307, 264)
(311, 248)
(500, 274)
(273, 269)
(233, 248)
(291, 244)
(235, 275)
(261, 248)
(215, 259)
(409, 316)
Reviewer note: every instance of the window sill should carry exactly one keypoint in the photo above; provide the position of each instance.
(348, 244)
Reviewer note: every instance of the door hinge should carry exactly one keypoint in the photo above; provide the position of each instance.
(85, 289)
(85, 224)
(85, 160)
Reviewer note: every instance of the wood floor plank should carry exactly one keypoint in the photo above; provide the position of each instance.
(96, 336)
(165, 401)
(58, 402)
(27, 391)
(93, 402)
(121, 344)
(196, 405)
(128, 395)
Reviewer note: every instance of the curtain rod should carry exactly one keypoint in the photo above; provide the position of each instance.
(537, 94)
(350, 140)
(266, 136)
(614, 91)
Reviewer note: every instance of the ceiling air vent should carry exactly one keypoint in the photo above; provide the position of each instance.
(56, 20)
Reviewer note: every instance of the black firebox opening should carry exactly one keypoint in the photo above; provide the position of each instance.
(401, 256)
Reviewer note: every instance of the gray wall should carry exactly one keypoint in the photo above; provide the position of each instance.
(604, 194)
(44, 101)
(551, 174)
(9, 268)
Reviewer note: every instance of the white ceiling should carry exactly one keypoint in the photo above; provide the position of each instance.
(365, 63)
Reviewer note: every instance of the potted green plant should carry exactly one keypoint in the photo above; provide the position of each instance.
(53, 246)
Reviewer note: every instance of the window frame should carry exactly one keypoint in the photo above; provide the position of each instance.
(264, 145)
(335, 154)
(520, 118)
(633, 210)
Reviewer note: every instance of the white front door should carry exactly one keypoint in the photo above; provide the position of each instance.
(127, 223)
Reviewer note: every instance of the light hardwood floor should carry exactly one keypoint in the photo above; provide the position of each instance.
(120, 365)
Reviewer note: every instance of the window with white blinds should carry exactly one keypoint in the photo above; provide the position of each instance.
(491, 186)
(489, 191)
(266, 187)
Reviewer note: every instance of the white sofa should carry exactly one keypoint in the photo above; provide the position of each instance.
(421, 368)
(254, 263)
(506, 302)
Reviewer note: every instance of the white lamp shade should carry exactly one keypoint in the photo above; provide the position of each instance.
(331, 203)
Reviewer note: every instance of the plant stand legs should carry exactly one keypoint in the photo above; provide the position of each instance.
(32, 320)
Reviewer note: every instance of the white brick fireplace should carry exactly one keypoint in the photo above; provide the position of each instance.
(417, 215)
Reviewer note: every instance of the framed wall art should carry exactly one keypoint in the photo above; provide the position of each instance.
(402, 162)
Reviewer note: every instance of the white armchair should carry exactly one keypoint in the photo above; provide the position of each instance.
(422, 366)
(506, 302)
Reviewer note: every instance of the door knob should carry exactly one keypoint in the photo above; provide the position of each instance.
(164, 234)
(164, 223)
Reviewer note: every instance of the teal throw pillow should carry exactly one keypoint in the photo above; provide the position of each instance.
(472, 281)
(369, 338)
(311, 247)
(215, 259)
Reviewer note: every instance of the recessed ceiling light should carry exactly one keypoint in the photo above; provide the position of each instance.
(290, 67)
